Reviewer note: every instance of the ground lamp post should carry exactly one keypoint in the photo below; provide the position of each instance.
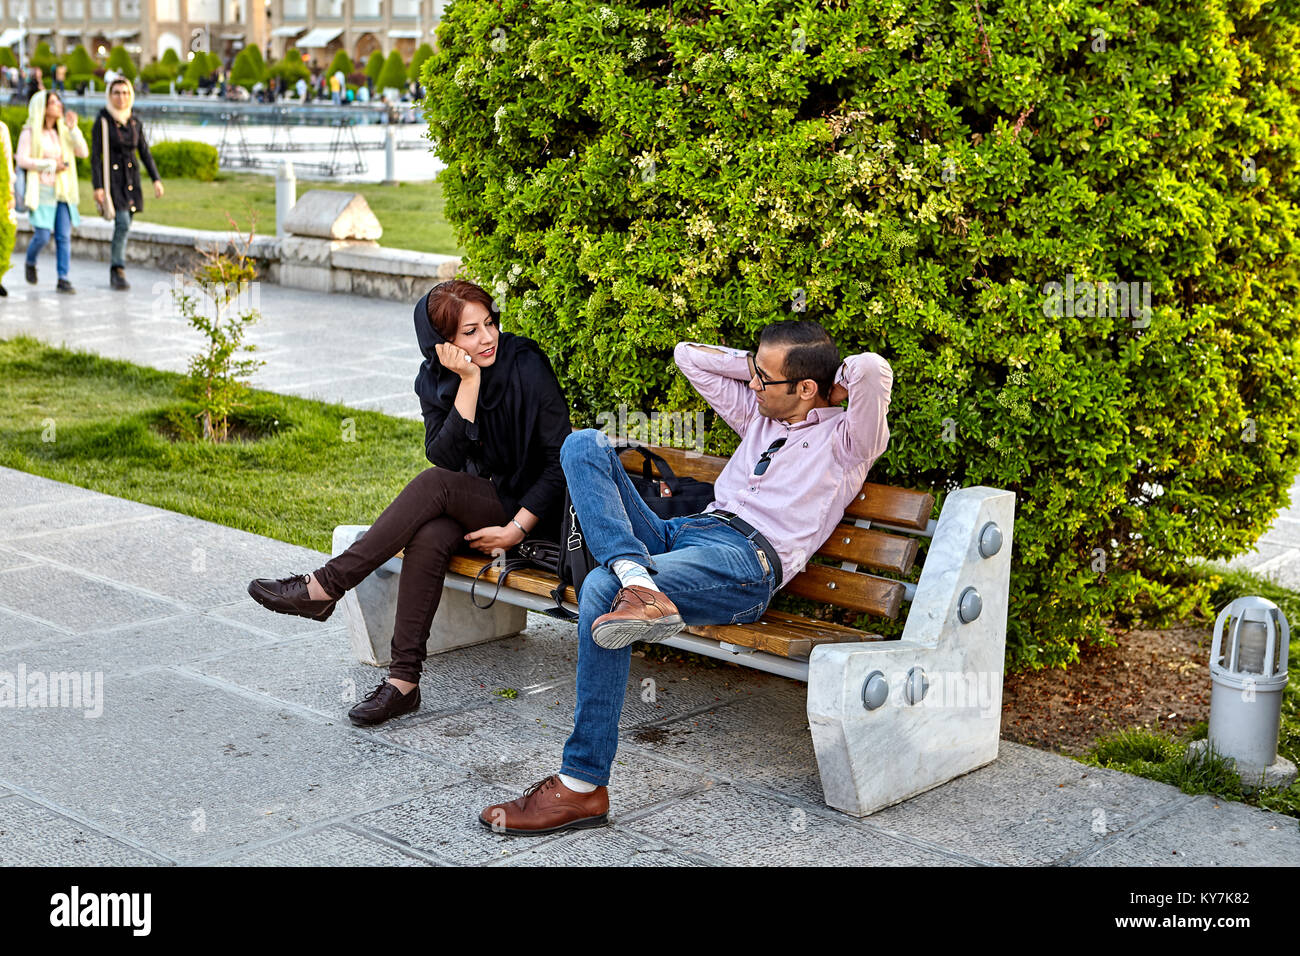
(1248, 675)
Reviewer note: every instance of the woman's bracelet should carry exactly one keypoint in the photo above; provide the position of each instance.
(519, 526)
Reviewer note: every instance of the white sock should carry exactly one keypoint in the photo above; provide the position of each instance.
(630, 573)
(576, 785)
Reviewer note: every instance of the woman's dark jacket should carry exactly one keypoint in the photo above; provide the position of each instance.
(124, 141)
(519, 425)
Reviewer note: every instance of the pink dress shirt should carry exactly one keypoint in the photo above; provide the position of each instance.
(813, 477)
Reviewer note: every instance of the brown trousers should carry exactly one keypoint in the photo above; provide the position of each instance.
(429, 518)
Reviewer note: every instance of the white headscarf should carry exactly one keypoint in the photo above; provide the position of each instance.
(120, 115)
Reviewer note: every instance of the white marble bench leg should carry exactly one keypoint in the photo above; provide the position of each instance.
(870, 758)
(371, 608)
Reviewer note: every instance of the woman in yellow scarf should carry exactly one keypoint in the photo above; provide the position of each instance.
(49, 146)
(7, 223)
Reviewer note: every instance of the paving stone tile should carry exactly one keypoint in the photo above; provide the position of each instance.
(17, 630)
(175, 556)
(249, 614)
(180, 639)
(487, 741)
(332, 846)
(763, 740)
(18, 490)
(445, 823)
(1028, 807)
(655, 691)
(496, 745)
(12, 559)
(740, 827)
(318, 671)
(191, 770)
(57, 517)
(74, 602)
(605, 846)
(1206, 831)
(32, 835)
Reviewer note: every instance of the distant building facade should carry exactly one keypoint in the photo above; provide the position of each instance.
(147, 28)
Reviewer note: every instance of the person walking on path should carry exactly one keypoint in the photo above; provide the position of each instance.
(49, 147)
(8, 189)
(121, 192)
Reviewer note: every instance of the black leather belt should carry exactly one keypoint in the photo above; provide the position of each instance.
(752, 533)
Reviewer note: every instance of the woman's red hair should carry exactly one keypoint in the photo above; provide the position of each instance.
(447, 301)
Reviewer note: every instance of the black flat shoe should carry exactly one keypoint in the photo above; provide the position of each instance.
(289, 596)
(384, 703)
(65, 287)
(31, 275)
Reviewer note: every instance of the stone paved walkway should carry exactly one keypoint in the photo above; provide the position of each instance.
(223, 737)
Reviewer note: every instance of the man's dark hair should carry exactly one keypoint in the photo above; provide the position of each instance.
(812, 353)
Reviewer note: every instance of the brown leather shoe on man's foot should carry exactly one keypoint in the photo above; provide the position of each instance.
(639, 614)
(547, 806)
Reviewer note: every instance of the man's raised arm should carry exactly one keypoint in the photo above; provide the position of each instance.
(863, 432)
(721, 375)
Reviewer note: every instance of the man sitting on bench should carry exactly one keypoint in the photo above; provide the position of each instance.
(802, 459)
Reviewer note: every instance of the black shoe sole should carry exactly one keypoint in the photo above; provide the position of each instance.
(265, 600)
(586, 823)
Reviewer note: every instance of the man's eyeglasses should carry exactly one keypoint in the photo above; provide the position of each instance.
(765, 459)
(763, 380)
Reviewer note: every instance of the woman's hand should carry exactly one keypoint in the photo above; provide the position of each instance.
(157, 189)
(456, 359)
(70, 117)
(488, 540)
(60, 166)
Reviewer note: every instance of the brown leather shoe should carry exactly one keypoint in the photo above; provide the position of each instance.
(638, 614)
(548, 806)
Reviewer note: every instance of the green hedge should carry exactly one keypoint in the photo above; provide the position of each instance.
(915, 176)
(186, 158)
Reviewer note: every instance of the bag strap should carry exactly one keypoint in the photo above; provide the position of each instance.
(108, 185)
(665, 472)
(514, 564)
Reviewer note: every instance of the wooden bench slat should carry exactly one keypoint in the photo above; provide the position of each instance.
(793, 639)
(859, 592)
(533, 581)
(903, 507)
(874, 549)
(898, 506)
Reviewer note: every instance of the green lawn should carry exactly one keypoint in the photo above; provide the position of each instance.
(295, 486)
(411, 213)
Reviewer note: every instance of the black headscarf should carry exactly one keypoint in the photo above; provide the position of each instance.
(506, 416)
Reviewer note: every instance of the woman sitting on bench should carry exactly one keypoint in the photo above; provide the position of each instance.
(494, 421)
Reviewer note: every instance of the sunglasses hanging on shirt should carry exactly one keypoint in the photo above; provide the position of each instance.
(765, 459)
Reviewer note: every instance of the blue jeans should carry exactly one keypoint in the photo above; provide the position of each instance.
(62, 241)
(707, 568)
(121, 225)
